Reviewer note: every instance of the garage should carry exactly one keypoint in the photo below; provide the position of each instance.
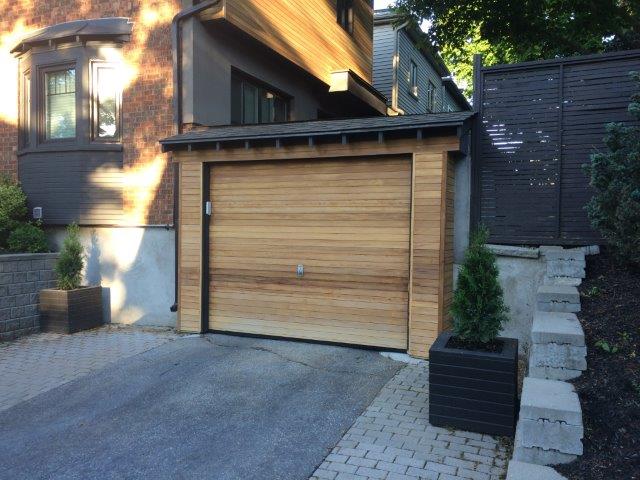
(336, 231)
(312, 249)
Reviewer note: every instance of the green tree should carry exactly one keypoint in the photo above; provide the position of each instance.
(478, 307)
(614, 209)
(520, 30)
(69, 266)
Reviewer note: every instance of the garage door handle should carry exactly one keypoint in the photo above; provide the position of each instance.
(207, 208)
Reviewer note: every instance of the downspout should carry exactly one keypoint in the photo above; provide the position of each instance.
(176, 35)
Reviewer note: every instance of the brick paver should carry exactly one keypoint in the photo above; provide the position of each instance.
(40, 362)
(393, 440)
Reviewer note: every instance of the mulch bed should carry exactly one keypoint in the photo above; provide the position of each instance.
(610, 389)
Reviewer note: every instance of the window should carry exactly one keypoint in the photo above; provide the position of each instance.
(431, 97)
(254, 103)
(106, 102)
(25, 110)
(413, 78)
(60, 104)
(345, 15)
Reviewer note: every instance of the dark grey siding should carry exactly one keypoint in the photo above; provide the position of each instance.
(407, 102)
(384, 44)
(538, 125)
(83, 187)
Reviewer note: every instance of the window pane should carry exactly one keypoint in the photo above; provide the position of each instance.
(107, 97)
(266, 106)
(249, 103)
(280, 107)
(60, 104)
(25, 124)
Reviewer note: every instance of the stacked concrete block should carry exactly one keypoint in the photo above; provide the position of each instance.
(529, 471)
(558, 351)
(550, 429)
(564, 266)
(557, 298)
(22, 276)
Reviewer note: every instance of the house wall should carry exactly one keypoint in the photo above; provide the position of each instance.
(384, 49)
(145, 188)
(135, 267)
(210, 52)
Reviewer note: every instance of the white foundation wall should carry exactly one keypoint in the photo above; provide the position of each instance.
(135, 266)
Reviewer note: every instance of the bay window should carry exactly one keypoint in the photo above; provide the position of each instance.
(60, 104)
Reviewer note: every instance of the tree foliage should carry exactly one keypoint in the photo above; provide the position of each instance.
(614, 210)
(520, 30)
(478, 306)
(69, 266)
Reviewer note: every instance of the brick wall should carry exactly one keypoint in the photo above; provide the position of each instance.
(147, 113)
(22, 276)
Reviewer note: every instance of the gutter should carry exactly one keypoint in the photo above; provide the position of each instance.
(176, 36)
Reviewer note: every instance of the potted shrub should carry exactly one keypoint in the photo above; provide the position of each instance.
(70, 307)
(473, 373)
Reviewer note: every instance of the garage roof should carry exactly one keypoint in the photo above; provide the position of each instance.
(315, 128)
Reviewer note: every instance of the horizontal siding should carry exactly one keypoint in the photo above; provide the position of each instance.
(82, 187)
(384, 44)
(308, 34)
(406, 101)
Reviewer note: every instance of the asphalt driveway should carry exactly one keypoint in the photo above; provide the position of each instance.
(215, 407)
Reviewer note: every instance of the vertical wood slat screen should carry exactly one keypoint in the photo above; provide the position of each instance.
(538, 124)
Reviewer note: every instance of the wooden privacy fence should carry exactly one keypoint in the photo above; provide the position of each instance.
(537, 125)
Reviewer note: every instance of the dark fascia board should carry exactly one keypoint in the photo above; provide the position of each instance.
(317, 128)
(564, 60)
(117, 28)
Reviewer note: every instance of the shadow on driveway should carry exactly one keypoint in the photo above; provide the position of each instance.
(216, 407)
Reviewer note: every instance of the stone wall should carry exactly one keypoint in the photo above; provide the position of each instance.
(22, 276)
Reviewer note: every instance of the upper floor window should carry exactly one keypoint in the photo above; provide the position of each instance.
(252, 102)
(431, 97)
(106, 101)
(60, 104)
(345, 15)
(413, 78)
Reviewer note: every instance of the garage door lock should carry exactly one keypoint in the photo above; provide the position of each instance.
(300, 271)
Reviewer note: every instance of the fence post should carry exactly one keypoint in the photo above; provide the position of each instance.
(476, 136)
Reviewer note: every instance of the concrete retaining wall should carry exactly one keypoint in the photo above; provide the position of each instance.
(22, 276)
(135, 267)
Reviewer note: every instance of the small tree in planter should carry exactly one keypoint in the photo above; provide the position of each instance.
(70, 307)
(473, 373)
(478, 307)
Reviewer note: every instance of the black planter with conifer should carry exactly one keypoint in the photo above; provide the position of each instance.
(473, 373)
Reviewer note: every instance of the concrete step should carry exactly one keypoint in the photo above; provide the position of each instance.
(558, 356)
(557, 327)
(550, 429)
(529, 471)
(550, 400)
(557, 298)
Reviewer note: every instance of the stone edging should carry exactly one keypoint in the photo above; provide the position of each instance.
(550, 428)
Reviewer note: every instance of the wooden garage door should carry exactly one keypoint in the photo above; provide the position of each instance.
(346, 221)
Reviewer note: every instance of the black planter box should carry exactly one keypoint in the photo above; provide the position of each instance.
(474, 391)
(70, 311)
